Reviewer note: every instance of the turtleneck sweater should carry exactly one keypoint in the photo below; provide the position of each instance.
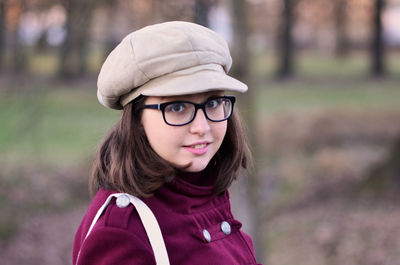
(197, 226)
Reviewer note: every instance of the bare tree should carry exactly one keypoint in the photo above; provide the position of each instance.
(378, 68)
(74, 51)
(240, 70)
(285, 69)
(201, 11)
(240, 48)
(2, 32)
(342, 44)
(111, 40)
(18, 49)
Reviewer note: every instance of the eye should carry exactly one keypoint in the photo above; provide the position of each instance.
(212, 103)
(175, 107)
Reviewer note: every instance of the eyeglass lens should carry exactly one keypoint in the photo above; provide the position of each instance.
(179, 113)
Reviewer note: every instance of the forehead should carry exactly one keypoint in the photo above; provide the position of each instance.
(199, 97)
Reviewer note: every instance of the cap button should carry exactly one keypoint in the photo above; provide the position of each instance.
(207, 235)
(225, 227)
(123, 201)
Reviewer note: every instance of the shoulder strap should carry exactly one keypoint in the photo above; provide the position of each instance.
(149, 222)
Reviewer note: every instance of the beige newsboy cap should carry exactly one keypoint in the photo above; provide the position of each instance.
(167, 59)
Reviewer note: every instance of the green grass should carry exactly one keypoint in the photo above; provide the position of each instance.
(302, 95)
(53, 126)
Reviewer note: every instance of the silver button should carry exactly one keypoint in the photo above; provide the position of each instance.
(123, 201)
(206, 235)
(225, 228)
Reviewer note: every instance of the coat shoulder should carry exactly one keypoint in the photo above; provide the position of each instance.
(118, 223)
(117, 216)
(108, 245)
(106, 211)
(122, 215)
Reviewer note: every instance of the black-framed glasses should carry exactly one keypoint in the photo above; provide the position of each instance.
(179, 113)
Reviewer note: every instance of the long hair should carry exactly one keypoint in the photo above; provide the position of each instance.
(126, 162)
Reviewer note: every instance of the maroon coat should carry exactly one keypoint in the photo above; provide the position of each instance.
(183, 211)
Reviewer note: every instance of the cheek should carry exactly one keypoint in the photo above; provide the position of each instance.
(150, 124)
(220, 130)
(160, 135)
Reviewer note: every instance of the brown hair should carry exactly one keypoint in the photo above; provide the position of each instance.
(126, 162)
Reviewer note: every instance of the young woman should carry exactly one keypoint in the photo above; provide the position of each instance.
(161, 174)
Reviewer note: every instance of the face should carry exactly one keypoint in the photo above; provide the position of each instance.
(189, 147)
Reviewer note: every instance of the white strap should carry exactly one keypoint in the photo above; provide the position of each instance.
(149, 222)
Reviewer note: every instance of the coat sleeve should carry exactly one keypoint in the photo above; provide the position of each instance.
(108, 245)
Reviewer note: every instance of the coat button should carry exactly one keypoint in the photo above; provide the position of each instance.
(123, 201)
(225, 228)
(207, 235)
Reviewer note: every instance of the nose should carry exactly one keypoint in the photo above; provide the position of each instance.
(200, 124)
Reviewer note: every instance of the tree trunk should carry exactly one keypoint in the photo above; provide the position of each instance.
(74, 51)
(19, 61)
(286, 41)
(111, 40)
(201, 10)
(67, 57)
(378, 68)
(241, 65)
(2, 32)
(342, 44)
(240, 50)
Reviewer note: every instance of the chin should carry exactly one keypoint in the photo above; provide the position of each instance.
(195, 167)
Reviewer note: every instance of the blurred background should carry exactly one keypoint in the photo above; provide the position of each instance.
(322, 113)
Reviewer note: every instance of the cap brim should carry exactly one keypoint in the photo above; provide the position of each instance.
(189, 81)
